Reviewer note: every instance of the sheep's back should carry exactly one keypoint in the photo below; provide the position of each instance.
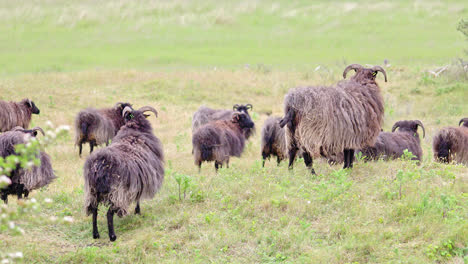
(13, 114)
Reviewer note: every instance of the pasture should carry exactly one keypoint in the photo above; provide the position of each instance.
(178, 55)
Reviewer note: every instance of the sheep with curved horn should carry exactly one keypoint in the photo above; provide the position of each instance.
(338, 118)
(392, 145)
(450, 144)
(24, 180)
(98, 126)
(205, 115)
(130, 169)
(14, 114)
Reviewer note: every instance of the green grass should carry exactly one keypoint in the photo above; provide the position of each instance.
(176, 56)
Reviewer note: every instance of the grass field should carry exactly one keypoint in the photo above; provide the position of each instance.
(178, 55)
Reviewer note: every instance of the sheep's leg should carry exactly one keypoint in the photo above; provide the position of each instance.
(95, 228)
(345, 156)
(350, 158)
(91, 146)
(264, 157)
(5, 197)
(278, 161)
(110, 224)
(26, 193)
(19, 191)
(217, 165)
(292, 156)
(137, 209)
(308, 162)
(81, 148)
(227, 164)
(199, 166)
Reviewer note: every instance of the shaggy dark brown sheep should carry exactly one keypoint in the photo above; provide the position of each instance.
(337, 119)
(131, 168)
(98, 126)
(24, 180)
(450, 144)
(205, 115)
(392, 145)
(13, 114)
(219, 140)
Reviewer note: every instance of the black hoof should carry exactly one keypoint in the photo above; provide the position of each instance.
(112, 237)
(96, 236)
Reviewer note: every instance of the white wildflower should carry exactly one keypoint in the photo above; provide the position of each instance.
(11, 225)
(4, 180)
(49, 124)
(33, 200)
(29, 164)
(3, 216)
(5, 261)
(18, 255)
(68, 219)
(21, 230)
(50, 134)
(308, 202)
(47, 200)
(53, 218)
(62, 128)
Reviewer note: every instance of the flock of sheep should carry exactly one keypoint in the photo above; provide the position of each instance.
(334, 122)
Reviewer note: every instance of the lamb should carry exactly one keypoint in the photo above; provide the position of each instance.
(98, 126)
(219, 140)
(392, 145)
(13, 114)
(24, 180)
(205, 115)
(130, 169)
(450, 144)
(338, 118)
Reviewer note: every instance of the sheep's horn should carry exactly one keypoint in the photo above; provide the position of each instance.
(148, 108)
(38, 129)
(235, 107)
(354, 67)
(463, 120)
(126, 109)
(380, 69)
(421, 125)
(395, 126)
(249, 106)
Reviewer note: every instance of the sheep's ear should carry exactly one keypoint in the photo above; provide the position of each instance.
(146, 116)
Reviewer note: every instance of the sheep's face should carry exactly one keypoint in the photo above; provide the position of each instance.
(32, 106)
(121, 106)
(243, 120)
(242, 108)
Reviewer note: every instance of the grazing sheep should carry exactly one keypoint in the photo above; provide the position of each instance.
(273, 140)
(24, 180)
(219, 140)
(131, 168)
(13, 114)
(392, 145)
(451, 144)
(337, 119)
(205, 115)
(98, 126)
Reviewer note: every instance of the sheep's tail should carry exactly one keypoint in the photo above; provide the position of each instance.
(206, 152)
(269, 139)
(102, 179)
(442, 147)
